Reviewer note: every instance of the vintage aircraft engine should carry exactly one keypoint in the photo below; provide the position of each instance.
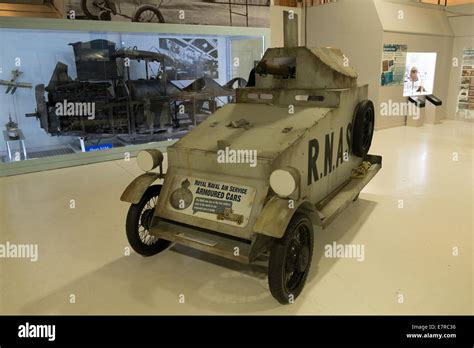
(104, 99)
(82, 106)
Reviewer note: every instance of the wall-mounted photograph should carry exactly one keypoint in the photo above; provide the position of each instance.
(248, 13)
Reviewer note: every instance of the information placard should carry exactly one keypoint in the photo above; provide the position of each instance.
(213, 200)
(393, 64)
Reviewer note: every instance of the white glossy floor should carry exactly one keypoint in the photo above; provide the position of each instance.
(408, 251)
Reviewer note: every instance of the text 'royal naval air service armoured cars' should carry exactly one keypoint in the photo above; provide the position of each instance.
(254, 178)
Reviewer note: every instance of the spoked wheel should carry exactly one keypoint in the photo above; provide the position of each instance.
(105, 16)
(148, 13)
(138, 224)
(94, 9)
(290, 260)
(363, 128)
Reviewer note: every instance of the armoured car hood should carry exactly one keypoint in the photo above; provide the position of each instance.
(270, 129)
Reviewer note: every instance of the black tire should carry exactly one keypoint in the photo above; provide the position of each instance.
(105, 16)
(363, 128)
(138, 224)
(157, 18)
(90, 10)
(290, 260)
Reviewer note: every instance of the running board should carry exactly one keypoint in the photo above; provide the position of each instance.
(349, 192)
(204, 240)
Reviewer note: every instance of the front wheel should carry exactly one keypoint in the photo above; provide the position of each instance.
(148, 13)
(138, 224)
(290, 260)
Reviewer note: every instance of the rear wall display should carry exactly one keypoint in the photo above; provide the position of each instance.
(106, 9)
(465, 104)
(393, 64)
(419, 73)
(250, 13)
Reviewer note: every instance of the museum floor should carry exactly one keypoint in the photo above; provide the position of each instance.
(408, 266)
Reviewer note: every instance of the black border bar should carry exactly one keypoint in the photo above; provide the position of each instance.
(221, 330)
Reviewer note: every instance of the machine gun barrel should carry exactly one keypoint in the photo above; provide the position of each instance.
(283, 70)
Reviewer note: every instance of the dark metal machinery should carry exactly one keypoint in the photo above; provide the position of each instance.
(121, 105)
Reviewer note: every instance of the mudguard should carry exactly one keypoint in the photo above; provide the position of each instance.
(135, 190)
(277, 213)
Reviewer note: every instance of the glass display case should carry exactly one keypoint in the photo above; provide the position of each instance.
(69, 92)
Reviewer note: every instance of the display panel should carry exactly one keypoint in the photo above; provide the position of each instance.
(393, 64)
(465, 99)
(68, 92)
(194, 58)
(419, 73)
(249, 13)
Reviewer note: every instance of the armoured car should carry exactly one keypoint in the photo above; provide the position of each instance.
(258, 175)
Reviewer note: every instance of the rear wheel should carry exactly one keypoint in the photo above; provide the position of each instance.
(363, 128)
(138, 224)
(105, 16)
(290, 260)
(93, 8)
(148, 13)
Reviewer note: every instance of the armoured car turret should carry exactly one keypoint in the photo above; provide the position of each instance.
(256, 177)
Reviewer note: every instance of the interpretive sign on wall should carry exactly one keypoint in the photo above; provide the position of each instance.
(393, 64)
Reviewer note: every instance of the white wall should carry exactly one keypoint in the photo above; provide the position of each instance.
(406, 17)
(353, 27)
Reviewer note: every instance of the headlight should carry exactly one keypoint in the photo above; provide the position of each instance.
(149, 159)
(284, 181)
